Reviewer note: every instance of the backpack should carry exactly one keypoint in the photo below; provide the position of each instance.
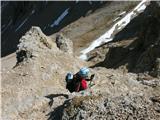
(69, 82)
(69, 77)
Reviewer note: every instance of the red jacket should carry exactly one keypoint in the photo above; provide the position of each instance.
(81, 86)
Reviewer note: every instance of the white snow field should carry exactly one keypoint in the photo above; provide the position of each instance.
(108, 36)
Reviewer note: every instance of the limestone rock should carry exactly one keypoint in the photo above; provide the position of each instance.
(32, 42)
(104, 108)
(64, 44)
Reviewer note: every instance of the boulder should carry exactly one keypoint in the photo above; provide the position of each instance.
(64, 44)
(32, 42)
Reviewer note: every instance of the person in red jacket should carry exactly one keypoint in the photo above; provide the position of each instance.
(79, 80)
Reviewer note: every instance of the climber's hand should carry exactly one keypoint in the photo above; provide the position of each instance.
(92, 76)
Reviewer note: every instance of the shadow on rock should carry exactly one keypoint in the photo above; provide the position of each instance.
(57, 113)
(51, 96)
(20, 16)
(141, 54)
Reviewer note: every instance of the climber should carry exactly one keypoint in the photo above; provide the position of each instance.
(78, 81)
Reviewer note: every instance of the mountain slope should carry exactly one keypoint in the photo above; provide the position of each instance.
(34, 88)
(40, 71)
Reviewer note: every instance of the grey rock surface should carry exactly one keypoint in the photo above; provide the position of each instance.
(64, 44)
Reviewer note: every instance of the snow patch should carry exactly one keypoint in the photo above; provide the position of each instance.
(21, 25)
(116, 19)
(44, 27)
(122, 13)
(60, 18)
(7, 26)
(117, 26)
(33, 11)
(83, 57)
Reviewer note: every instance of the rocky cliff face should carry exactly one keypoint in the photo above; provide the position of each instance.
(149, 40)
(35, 87)
(139, 52)
(51, 16)
(40, 71)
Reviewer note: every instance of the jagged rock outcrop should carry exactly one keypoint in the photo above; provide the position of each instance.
(123, 97)
(32, 43)
(116, 95)
(149, 40)
(64, 44)
(19, 16)
(40, 71)
(138, 52)
(108, 108)
(35, 87)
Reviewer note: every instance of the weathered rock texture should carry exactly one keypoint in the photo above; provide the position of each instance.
(115, 96)
(139, 51)
(32, 43)
(35, 87)
(64, 44)
(19, 16)
(39, 72)
(130, 107)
